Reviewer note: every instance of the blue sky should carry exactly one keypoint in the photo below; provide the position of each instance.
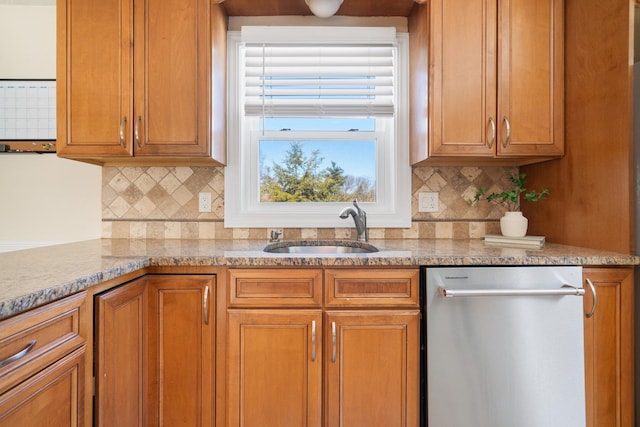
(357, 158)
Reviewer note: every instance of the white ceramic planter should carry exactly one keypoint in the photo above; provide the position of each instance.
(513, 224)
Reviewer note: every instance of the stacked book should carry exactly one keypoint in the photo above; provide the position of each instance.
(526, 241)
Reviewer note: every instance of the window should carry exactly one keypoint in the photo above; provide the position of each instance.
(315, 124)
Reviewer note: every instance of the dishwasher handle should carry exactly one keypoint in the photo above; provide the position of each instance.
(564, 290)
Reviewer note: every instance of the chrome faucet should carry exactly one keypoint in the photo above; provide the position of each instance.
(359, 218)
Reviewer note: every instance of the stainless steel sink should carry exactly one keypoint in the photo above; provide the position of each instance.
(320, 247)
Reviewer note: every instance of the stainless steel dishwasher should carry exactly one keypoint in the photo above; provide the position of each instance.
(504, 346)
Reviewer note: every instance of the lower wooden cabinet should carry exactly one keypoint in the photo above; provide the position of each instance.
(372, 376)
(275, 368)
(120, 356)
(608, 339)
(42, 365)
(181, 360)
(350, 360)
(53, 397)
(155, 352)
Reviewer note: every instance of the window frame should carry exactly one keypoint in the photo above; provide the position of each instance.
(242, 175)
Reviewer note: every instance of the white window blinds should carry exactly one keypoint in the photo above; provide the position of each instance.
(313, 78)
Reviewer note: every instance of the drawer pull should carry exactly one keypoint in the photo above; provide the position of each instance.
(205, 305)
(18, 355)
(508, 135)
(136, 131)
(122, 139)
(595, 299)
(313, 340)
(492, 122)
(334, 339)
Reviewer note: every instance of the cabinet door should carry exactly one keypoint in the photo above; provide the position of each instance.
(172, 77)
(531, 78)
(95, 78)
(372, 368)
(608, 340)
(274, 368)
(120, 357)
(461, 76)
(181, 350)
(52, 397)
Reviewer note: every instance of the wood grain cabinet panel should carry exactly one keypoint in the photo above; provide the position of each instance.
(52, 397)
(487, 81)
(121, 352)
(181, 339)
(274, 368)
(372, 287)
(40, 336)
(43, 365)
(155, 352)
(296, 361)
(275, 288)
(608, 336)
(136, 79)
(372, 368)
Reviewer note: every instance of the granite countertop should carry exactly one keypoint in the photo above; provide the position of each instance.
(32, 277)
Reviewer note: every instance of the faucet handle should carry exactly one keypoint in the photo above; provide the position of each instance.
(275, 235)
(361, 211)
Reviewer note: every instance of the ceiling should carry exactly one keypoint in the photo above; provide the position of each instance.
(299, 7)
(285, 7)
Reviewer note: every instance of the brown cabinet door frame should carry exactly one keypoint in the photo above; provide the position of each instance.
(372, 370)
(608, 341)
(121, 355)
(181, 340)
(274, 367)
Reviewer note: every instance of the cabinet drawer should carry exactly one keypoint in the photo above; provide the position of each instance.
(277, 287)
(52, 397)
(37, 338)
(371, 287)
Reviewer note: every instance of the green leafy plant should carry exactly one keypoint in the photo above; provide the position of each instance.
(511, 199)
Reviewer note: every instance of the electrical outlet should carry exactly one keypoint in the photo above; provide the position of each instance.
(428, 202)
(204, 202)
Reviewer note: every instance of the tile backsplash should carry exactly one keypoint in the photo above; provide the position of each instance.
(162, 202)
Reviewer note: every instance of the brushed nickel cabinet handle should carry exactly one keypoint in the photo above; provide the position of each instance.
(334, 340)
(18, 355)
(313, 340)
(136, 131)
(205, 305)
(492, 122)
(123, 122)
(595, 299)
(507, 125)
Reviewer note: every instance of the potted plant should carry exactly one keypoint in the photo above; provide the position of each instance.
(513, 223)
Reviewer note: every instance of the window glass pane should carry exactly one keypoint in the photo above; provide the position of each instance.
(319, 124)
(317, 170)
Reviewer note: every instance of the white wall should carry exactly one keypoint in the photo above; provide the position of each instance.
(27, 42)
(43, 198)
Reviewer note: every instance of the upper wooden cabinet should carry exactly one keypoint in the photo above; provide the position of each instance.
(487, 81)
(141, 81)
